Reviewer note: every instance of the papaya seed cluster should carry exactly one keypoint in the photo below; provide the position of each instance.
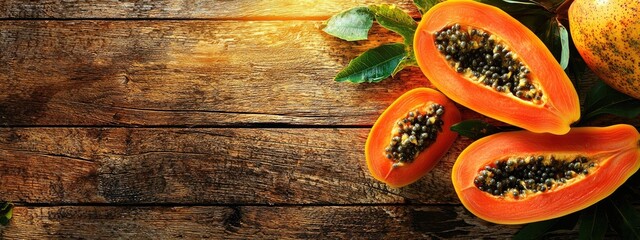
(518, 176)
(414, 133)
(481, 57)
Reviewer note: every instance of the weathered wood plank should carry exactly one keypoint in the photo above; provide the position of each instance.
(261, 222)
(186, 73)
(202, 166)
(216, 9)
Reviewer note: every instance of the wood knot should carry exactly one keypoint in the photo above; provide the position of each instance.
(126, 79)
(233, 221)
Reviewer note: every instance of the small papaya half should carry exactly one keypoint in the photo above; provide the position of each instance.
(411, 136)
(522, 177)
(486, 60)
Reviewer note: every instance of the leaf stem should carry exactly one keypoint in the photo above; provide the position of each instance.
(563, 10)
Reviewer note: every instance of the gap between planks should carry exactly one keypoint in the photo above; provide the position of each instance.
(160, 204)
(241, 19)
(240, 126)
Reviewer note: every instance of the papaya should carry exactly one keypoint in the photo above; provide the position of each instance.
(607, 36)
(485, 60)
(522, 177)
(411, 136)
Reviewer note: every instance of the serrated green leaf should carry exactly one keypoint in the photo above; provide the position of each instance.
(424, 5)
(6, 212)
(623, 217)
(408, 61)
(593, 223)
(602, 99)
(374, 65)
(556, 37)
(395, 19)
(474, 129)
(350, 25)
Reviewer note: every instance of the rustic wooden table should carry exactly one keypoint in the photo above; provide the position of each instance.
(170, 119)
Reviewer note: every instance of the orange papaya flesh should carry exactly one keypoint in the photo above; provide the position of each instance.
(608, 156)
(484, 59)
(411, 136)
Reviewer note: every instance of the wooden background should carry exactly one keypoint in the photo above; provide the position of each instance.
(198, 118)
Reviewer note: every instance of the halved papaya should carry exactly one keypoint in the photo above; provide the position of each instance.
(411, 136)
(522, 177)
(486, 60)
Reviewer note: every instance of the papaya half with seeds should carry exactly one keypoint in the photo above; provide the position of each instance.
(522, 177)
(607, 35)
(486, 60)
(411, 136)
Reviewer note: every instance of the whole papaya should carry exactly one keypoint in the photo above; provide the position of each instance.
(607, 35)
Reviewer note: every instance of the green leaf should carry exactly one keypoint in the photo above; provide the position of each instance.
(350, 25)
(6, 212)
(593, 223)
(395, 19)
(474, 129)
(629, 109)
(529, 13)
(624, 218)
(567, 222)
(564, 41)
(602, 99)
(532, 21)
(536, 230)
(374, 65)
(556, 37)
(550, 5)
(408, 61)
(518, 8)
(634, 181)
(577, 66)
(424, 5)
(520, 2)
(632, 186)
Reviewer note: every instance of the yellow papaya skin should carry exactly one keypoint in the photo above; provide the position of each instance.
(607, 35)
(614, 149)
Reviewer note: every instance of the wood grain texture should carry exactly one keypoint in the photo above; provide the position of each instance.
(256, 222)
(208, 9)
(202, 166)
(186, 73)
(173, 65)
